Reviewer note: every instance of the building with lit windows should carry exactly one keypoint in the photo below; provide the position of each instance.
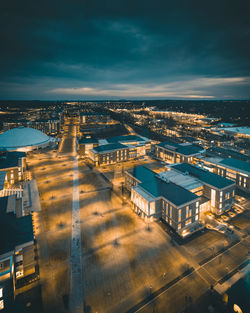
(179, 196)
(17, 259)
(153, 197)
(236, 170)
(109, 154)
(94, 117)
(14, 165)
(86, 144)
(219, 191)
(177, 153)
(138, 145)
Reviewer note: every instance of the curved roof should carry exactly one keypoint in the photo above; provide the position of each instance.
(22, 137)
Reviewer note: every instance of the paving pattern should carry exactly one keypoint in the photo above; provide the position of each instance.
(76, 287)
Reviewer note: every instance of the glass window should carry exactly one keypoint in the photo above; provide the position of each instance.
(1, 292)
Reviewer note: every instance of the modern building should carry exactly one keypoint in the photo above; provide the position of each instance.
(50, 126)
(152, 198)
(94, 117)
(13, 164)
(138, 145)
(109, 154)
(242, 132)
(218, 190)
(47, 126)
(24, 139)
(236, 170)
(177, 153)
(17, 259)
(86, 144)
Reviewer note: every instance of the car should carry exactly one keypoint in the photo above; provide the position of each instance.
(224, 217)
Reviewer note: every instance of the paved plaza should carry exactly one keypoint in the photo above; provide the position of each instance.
(96, 253)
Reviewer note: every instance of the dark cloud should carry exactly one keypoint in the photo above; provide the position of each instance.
(48, 48)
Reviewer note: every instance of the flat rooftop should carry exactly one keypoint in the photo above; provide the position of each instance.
(127, 138)
(186, 181)
(10, 159)
(236, 164)
(170, 191)
(203, 175)
(87, 140)
(109, 147)
(185, 149)
(142, 173)
(13, 231)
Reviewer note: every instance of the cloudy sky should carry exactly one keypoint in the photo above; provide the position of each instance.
(121, 49)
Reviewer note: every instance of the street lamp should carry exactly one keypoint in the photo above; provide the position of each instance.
(237, 308)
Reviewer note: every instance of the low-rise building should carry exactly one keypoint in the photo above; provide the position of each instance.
(152, 197)
(94, 117)
(109, 154)
(236, 170)
(219, 190)
(86, 144)
(14, 165)
(138, 145)
(17, 259)
(177, 153)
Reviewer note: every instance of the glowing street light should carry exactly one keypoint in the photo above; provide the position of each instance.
(237, 308)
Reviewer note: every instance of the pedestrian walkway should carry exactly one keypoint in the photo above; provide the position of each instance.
(76, 283)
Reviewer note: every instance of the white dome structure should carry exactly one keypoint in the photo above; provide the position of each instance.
(24, 139)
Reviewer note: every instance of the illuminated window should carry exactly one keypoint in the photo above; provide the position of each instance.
(179, 226)
(1, 305)
(189, 221)
(196, 217)
(227, 195)
(179, 216)
(1, 292)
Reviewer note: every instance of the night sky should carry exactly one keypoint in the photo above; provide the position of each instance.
(124, 49)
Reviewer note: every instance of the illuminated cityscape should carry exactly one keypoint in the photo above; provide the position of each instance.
(126, 187)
